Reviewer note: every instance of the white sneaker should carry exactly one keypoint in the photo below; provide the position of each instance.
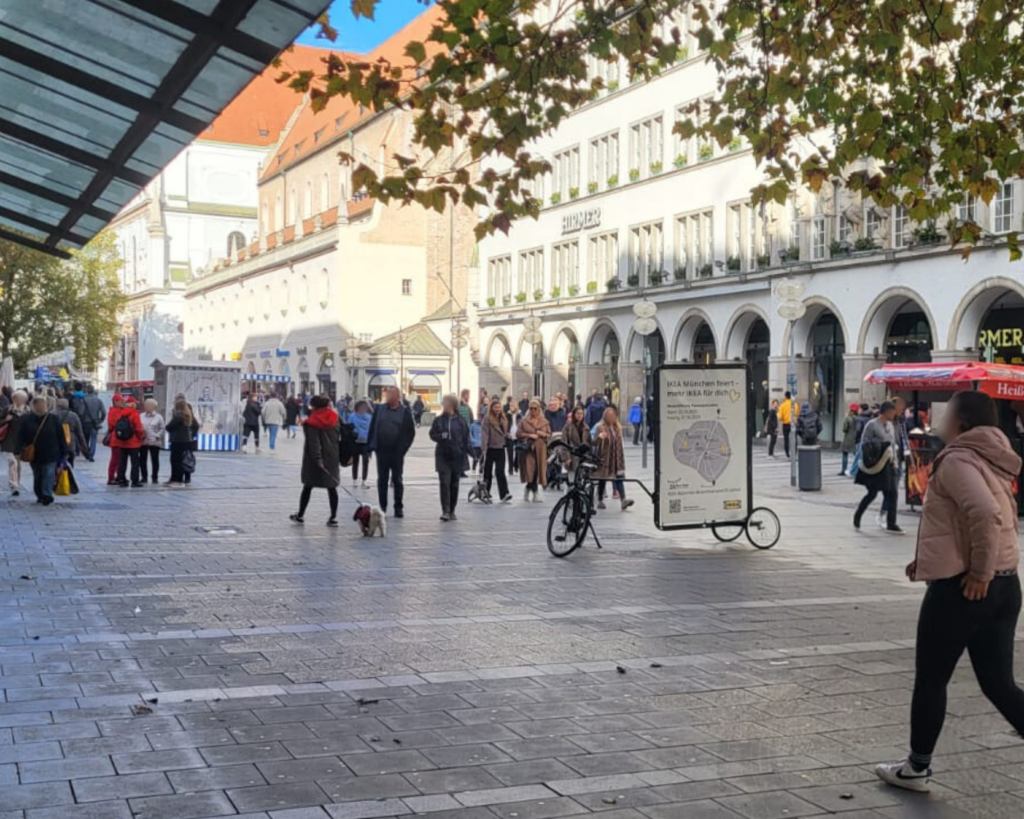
(902, 775)
(526, 495)
(880, 521)
(537, 498)
(366, 485)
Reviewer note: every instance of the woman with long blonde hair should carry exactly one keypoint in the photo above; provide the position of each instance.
(532, 436)
(608, 438)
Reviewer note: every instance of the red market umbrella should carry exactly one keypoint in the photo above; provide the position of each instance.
(1005, 381)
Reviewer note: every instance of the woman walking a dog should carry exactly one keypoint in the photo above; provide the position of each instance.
(493, 438)
(321, 457)
(450, 433)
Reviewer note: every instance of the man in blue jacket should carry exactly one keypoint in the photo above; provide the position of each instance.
(595, 411)
(392, 431)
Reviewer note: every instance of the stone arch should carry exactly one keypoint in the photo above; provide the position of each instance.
(973, 307)
(816, 306)
(686, 334)
(635, 344)
(499, 352)
(561, 344)
(738, 329)
(599, 333)
(874, 329)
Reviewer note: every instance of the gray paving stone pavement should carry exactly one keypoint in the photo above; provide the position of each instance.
(151, 668)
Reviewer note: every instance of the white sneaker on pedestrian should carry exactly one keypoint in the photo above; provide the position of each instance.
(526, 495)
(537, 498)
(366, 485)
(902, 775)
(880, 521)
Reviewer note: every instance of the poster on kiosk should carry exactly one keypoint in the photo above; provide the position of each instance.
(702, 449)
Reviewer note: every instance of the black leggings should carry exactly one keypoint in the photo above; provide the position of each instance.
(360, 455)
(950, 623)
(890, 506)
(494, 464)
(332, 498)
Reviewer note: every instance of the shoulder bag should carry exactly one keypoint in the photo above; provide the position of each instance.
(28, 452)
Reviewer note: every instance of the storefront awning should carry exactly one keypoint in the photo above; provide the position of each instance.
(96, 97)
(998, 380)
(284, 379)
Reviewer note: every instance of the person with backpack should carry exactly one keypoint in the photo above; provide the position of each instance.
(127, 439)
(450, 434)
(181, 430)
(360, 419)
(321, 457)
(42, 444)
(252, 413)
(113, 414)
(636, 419)
(10, 442)
(292, 410)
(71, 427)
(877, 472)
(92, 417)
(274, 416)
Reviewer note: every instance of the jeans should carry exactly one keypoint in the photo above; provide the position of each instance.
(332, 499)
(617, 484)
(494, 462)
(785, 437)
(360, 456)
(91, 437)
(855, 466)
(888, 506)
(128, 455)
(449, 480)
(13, 471)
(149, 454)
(178, 451)
(390, 466)
(846, 462)
(950, 623)
(44, 476)
(510, 457)
(636, 434)
(272, 434)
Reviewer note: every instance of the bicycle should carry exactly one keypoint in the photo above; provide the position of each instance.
(571, 518)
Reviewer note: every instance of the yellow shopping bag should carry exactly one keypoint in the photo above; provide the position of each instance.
(63, 483)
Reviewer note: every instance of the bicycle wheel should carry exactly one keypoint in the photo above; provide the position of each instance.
(567, 524)
(763, 528)
(727, 532)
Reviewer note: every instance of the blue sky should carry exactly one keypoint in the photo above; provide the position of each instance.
(362, 35)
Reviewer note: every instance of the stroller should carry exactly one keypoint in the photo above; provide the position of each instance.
(479, 493)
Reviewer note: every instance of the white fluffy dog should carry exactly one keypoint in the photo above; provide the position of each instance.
(371, 520)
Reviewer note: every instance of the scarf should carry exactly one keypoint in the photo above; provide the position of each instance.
(322, 418)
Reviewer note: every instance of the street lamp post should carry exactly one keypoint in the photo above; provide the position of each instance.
(533, 336)
(792, 309)
(460, 338)
(643, 326)
(401, 361)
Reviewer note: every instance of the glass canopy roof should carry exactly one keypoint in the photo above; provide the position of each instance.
(97, 96)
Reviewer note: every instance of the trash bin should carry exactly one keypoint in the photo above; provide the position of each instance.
(809, 468)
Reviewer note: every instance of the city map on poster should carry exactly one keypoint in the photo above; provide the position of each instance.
(702, 447)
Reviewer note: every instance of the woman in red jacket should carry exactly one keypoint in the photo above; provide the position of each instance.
(116, 408)
(126, 436)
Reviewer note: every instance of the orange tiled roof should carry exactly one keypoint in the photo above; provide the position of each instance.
(314, 130)
(260, 112)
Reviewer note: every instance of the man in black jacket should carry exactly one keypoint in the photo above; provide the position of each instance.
(93, 417)
(42, 431)
(392, 431)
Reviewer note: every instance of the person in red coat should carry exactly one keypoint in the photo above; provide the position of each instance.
(126, 436)
(116, 408)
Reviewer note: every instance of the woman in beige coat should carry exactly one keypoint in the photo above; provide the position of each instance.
(533, 433)
(608, 439)
(967, 552)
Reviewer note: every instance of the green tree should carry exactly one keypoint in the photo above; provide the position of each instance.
(47, 304)
(912, 101)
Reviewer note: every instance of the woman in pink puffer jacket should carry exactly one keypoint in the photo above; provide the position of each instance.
(967, 552)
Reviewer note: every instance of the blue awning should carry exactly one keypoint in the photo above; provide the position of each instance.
(283, 379)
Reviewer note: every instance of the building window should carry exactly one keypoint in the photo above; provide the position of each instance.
(325, 193)
(604, 70)
(603, 260)
(845, 231)
(499, 278)
(531, 271)
(604, 162)
(278, 213)
(967, 211)
(366, 338)
(753, 236)
(900, 226)
(1002, 209)
(406, 287)
(819, 234)
(694, 245)
(293, 207)
(325, 287)
(796, 227)
(564, 269)
(308, 210)
(645, 254)
(646, 153)
(236, 243)
(565, 171)
(872, 222)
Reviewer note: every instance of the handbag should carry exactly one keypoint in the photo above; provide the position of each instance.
(63, 485)
(188, 462)
(524, 445)
(28, 452)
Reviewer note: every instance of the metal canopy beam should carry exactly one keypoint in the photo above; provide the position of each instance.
(191, 20)
(227, 15)
(38, 224)
(95, 85)
(17, 238)
(54, 196)
(70, 152)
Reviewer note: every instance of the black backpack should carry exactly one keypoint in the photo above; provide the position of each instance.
(346, 443)
(123, 429)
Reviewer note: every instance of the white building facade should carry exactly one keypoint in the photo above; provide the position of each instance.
(632, 210)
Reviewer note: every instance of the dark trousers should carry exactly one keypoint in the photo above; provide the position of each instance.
(636, 434)
(494, 462)
(390, 466)
(510, 456)
(785, 437)
(617, 484)
(332, 499)
(449, 481)
(948, 624)
(149, 454)
(178, 451)
(889, 507)
(361, 456)
(255, 430)
(128, 455)
(773, 439)
(91, 435)
(44, 475)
